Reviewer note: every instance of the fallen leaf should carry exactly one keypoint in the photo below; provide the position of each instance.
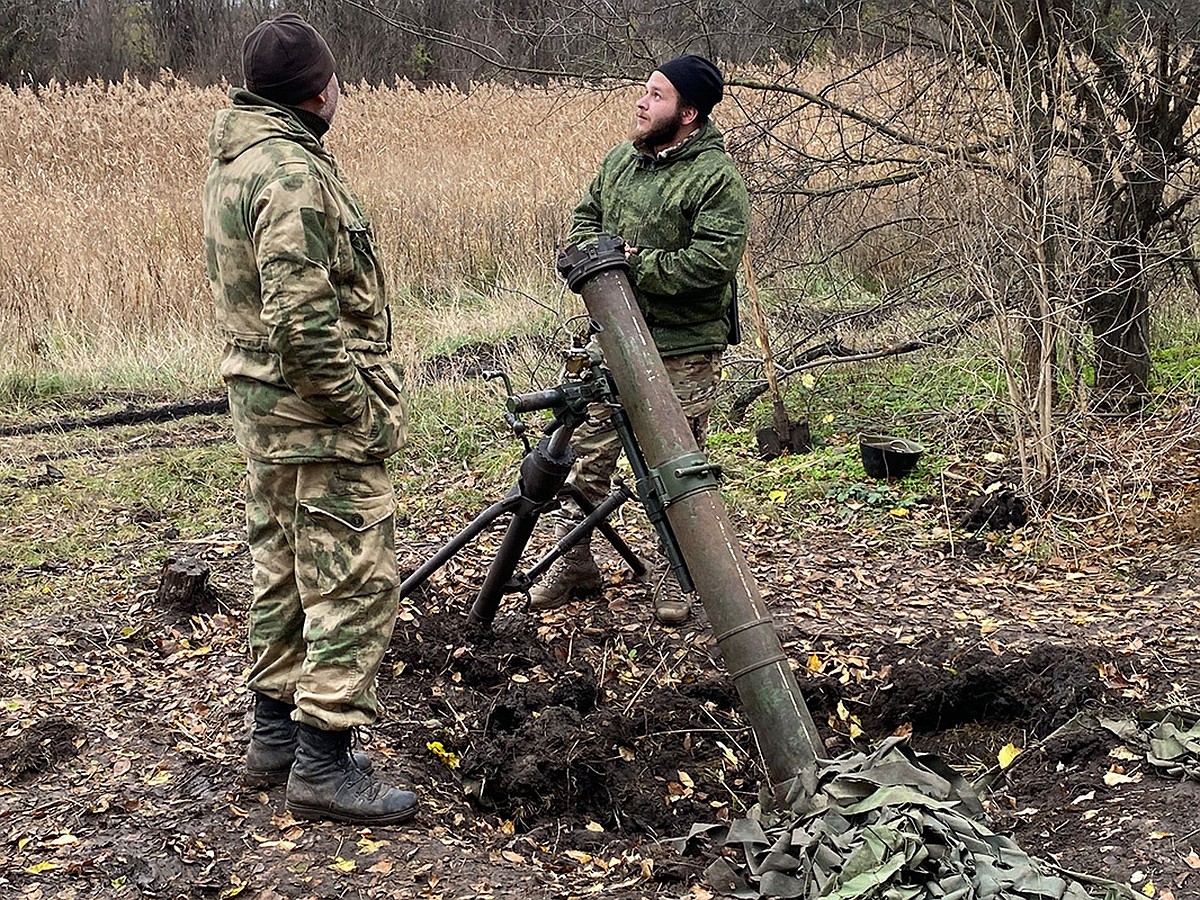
(1007, 754)
(367, 846)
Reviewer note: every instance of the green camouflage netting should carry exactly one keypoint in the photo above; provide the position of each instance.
(1170, 738)
(888, 825)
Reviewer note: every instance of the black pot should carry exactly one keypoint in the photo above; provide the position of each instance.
(885, 456)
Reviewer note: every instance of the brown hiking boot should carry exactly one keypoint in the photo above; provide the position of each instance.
(670, 606)
(574, 574)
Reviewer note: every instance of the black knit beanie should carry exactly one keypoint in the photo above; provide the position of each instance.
(286, 60)
(697, 80)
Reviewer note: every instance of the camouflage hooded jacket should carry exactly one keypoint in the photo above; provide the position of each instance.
(299, 292)
(687, 212)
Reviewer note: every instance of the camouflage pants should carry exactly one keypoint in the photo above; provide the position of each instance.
(323, 541)
(694, 377)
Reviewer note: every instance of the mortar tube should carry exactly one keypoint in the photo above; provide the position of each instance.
(750, 647)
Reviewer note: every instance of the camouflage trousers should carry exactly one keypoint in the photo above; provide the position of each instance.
(326, 588)
(694, 377)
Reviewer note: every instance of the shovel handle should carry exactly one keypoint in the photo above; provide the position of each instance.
(760, 326)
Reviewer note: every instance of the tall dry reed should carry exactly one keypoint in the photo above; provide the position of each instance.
(101, 260)
(101, 255)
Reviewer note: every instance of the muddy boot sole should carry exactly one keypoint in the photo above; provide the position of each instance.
(265, 778)
(320, 814)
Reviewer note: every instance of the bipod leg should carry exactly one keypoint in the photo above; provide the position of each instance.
(651, 501)
(605, 527)
(543, 473)
(510, 502)
(596, 518)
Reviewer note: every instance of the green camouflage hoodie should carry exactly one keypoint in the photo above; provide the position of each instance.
(299, 292)
(686, 211)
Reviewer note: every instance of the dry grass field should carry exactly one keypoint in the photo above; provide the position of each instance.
(101, 264)
(101, 269)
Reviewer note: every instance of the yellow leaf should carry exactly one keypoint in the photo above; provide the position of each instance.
(594, 826)
(344, 865)
(808, 380)
(842, 712)
(366, 846)
(1007, 754)
(446, 756)
(44, 866)
(162, 776)
(1148, 888)
(579, 856)
(777, 496)
(899, 512)
(827, 419)
(814, 663)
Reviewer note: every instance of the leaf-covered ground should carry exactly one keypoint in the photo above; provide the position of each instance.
(556, 755)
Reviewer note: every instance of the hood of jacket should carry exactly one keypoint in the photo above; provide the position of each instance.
(250, 120)
(706, 137)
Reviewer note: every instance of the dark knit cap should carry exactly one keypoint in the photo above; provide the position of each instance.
(286, 60)
(697, 80)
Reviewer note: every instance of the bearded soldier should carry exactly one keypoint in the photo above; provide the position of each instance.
(317, 407)
(675, 196)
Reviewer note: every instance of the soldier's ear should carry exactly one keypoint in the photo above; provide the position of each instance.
(688, 114)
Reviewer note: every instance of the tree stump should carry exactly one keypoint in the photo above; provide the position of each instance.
(183, 585)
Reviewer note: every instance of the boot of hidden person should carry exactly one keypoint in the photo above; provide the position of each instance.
(671, 607)
(573, 575)
(273, 744)
(326, 784)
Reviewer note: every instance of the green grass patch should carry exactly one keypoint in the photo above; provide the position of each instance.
(826, 484)
(1176, 368)
(87, 519)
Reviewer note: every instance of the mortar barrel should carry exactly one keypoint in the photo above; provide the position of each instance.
(749, 643)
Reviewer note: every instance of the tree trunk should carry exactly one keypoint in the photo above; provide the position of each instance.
(1119, 318)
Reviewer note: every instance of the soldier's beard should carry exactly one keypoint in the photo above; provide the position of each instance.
(659, 135)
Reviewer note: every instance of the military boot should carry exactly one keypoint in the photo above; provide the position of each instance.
(273, 744)
(574, 574)
(670, 605)
(326, 784)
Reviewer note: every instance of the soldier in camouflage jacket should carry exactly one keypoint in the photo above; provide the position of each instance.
(317, 407)
(675, 196)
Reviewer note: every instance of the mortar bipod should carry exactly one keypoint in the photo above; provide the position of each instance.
(542, 480)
